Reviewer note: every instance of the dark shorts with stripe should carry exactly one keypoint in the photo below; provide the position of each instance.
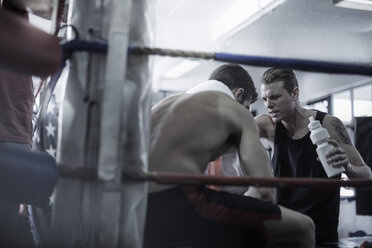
(195, 216)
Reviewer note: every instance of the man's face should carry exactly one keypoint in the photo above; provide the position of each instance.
(278, 102)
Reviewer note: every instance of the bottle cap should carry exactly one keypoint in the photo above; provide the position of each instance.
(313, 123)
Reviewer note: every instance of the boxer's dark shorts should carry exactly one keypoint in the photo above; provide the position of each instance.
(195, 216)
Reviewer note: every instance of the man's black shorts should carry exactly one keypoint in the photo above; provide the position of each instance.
(195, 216)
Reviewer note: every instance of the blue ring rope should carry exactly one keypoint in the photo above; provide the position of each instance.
(298, 64)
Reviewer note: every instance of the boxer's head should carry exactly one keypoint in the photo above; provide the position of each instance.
(276, 75)
(279, 92)
(239, 82)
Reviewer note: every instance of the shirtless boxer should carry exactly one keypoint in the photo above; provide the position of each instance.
(188, 131)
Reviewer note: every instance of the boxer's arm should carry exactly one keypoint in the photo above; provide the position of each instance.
(254, 159)
(266, 128)
(261, 121)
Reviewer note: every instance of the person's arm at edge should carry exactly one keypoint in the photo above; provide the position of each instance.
(354, 165)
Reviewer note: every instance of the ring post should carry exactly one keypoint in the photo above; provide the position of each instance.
(105, 127)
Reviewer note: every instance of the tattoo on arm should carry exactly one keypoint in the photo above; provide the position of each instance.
(341, 131)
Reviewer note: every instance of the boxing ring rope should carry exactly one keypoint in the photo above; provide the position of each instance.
(90, 174)
(297, 64)
(77, 45)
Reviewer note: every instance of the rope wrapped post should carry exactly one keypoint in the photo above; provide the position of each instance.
(75, 205)
(104, 128)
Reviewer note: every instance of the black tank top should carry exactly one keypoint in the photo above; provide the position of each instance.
(298, 158)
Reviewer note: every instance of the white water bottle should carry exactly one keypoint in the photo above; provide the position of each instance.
(319, 137)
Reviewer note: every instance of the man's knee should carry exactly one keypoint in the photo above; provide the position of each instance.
(303, 227)
(307, 228)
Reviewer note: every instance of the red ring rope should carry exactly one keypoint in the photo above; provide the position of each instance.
(90, 174)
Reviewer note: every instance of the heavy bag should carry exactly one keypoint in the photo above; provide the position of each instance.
(26, 176)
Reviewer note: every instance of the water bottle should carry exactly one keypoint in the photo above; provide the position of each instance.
(319, 137)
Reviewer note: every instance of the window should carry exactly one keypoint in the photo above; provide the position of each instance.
(363, 101)
(341, 103)
(322, 105)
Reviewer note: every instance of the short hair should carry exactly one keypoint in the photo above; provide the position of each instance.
(277, 74)
(235, 76)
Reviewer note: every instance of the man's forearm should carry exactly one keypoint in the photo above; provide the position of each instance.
(354, 171)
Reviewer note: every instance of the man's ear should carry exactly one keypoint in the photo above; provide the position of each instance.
(295, 93)
(238, 93)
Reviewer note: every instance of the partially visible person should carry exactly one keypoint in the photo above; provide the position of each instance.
(188, 131)
(285, 127)
(16, 101)
(25, 48)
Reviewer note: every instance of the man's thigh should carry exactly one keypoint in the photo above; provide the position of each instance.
(205, 216)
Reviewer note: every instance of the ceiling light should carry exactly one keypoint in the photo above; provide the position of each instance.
(240, 15)
(354, 4)
(181, 68)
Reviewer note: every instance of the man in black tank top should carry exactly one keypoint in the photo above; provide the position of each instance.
(285, 129)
